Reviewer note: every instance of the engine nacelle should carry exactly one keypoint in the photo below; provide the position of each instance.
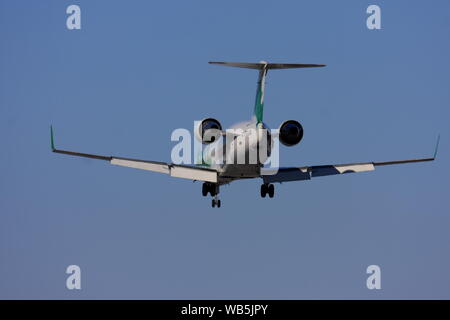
(205, 125)
(290, 133)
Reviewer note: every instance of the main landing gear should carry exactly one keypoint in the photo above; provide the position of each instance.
(213, 189)
(267, 188)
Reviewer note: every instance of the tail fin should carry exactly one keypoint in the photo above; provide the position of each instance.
(263, 67)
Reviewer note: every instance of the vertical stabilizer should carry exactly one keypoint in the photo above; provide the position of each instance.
(263, 67)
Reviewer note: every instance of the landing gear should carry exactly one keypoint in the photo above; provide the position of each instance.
(271, 190)
(208, 187)
(267, 189)
(263, 190)
(213, 189)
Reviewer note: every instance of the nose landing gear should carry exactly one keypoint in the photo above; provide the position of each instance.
(215, 202)
(213, 189)
(267, 188)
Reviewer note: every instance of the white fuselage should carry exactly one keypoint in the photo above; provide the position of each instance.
(241, 153)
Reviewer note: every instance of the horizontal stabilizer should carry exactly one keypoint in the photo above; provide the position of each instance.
(265, 65)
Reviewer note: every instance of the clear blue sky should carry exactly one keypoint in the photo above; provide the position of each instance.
(138, 69)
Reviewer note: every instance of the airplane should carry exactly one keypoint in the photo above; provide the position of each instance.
(214, 174)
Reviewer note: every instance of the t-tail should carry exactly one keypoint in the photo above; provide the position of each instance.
(263, 68)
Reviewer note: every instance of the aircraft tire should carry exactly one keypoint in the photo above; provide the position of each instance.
(271, 190)
(204, 189)
(263, 190)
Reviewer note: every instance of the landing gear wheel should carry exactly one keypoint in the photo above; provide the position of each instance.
(263, 190)
(213, 189)
(204, 189)
(215, 203)
(271, 190)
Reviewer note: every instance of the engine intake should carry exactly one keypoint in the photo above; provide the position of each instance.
(201, 131)
(291, 133)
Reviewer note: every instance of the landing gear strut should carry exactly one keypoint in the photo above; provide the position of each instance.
(267, 188)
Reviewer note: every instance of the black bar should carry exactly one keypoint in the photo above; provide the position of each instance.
(274, 309)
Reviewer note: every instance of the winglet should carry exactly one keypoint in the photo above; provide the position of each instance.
(437, 147)
(52, 142)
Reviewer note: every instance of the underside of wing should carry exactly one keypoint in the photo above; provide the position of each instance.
(174, 170)
(199, 173)
(306, 173)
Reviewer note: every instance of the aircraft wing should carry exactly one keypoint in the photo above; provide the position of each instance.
(306, 173)
(174, 170)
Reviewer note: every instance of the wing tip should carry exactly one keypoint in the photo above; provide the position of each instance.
(436, 148)
(52, 139)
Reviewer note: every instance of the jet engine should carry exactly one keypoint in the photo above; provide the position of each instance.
(202, 127)
(290, 133)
